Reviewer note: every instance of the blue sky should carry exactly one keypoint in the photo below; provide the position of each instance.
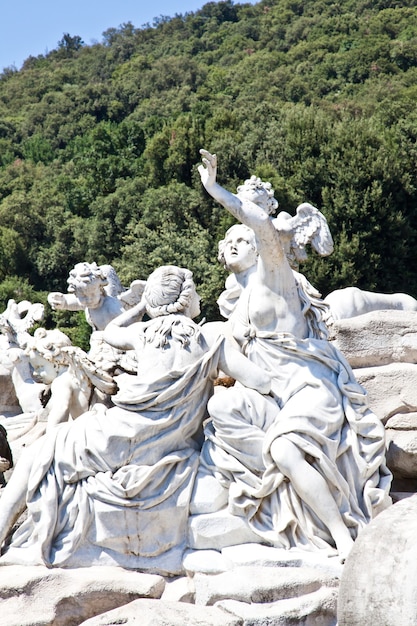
(32, 27)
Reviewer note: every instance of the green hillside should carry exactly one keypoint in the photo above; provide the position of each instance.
(99, 144)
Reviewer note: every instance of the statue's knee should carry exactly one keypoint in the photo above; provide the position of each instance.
(224, 402)
(282, 452)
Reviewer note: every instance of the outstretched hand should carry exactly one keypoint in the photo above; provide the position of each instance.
(208, 169)
(57, 300)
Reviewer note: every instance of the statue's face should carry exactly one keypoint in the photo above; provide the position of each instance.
(43, 370)
(83, 284)
(239, 251)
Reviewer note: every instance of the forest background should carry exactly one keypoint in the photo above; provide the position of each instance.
(99, 144)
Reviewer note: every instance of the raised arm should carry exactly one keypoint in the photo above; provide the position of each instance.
(208, 174)
(271, 251)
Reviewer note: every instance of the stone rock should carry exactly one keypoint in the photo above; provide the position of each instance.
(402, 450)
(391, 389)
(9, 403)
(160, 613)
(378, 338)
(217, 530)
(32, 595)
(179, 590)
(260, 584)
(315, 609)
(266, 556)
(402, 421)
(379, 580)
(206, 561)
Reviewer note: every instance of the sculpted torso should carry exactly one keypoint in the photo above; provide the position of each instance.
(266, 311)
(269, 300)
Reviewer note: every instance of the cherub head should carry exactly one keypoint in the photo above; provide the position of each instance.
(258, 192)
(47, 354)
(87, 281)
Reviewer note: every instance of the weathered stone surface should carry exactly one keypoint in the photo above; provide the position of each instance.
(379, 580)
(402, 421)
(9, 404)
(38, 596)
(402, 451)
(205, 561)
(392, 395)
(179, 590)
(260, 584)
(217, 530)
(266, 556)
(160, 613)
(378, 338)
(315, 609)
(391, 388)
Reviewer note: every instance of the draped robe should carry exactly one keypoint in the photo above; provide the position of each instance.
(113, 487)
(317, 405)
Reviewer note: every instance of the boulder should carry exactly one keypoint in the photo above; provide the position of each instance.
(391, 389)
(379, 580)
(378, 338)
(32, 595)
(401, 433)
(161, 613)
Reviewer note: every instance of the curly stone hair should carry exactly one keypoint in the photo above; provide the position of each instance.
(256, 183)
(169, 289)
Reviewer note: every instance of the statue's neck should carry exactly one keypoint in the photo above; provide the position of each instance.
(246, 277)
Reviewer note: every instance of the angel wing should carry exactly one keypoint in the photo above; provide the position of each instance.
(114, 286)
(133, 295)
(129, 297)
(308, 226)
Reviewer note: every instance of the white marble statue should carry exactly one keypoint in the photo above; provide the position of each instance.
(306, 468)
(72, 378)
(98, 292)
(15, 323)
(352, 301)
(113, 486)
(307, 226)
(87, 284)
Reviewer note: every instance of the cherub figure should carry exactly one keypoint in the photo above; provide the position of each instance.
(307, 226)
(87, 291)
(15, 322)
(98, 291)
(71, 375)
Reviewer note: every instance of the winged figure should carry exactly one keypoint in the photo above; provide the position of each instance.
(307, 226)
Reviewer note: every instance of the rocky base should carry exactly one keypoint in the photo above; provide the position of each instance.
(242, 585)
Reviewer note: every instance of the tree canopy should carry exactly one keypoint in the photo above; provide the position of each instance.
(99, 143)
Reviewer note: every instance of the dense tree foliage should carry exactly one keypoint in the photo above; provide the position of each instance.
(99, 144)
